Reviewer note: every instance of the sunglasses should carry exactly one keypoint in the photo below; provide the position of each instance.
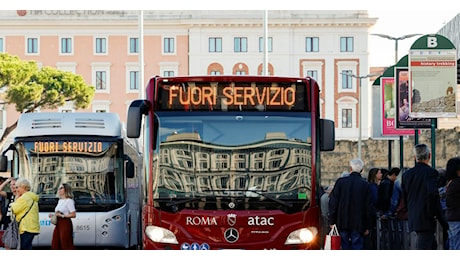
(62, 187)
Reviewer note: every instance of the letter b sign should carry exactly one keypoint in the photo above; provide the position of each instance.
(432, 42)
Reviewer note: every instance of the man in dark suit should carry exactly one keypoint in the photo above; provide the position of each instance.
(420, 191)
(350, 207)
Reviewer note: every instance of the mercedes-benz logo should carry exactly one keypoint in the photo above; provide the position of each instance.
(231, 235)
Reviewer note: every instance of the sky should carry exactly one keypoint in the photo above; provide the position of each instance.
(398, 23)
(395, 17)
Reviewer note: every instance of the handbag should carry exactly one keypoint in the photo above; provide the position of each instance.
(332, 241)
(54, 219)
(11, 237)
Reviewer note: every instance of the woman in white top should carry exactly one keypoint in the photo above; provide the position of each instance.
(65, 211)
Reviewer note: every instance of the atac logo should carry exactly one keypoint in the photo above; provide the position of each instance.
(231, 219)
(200, 221)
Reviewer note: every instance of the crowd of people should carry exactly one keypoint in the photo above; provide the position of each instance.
(421, 203)
(19, 202)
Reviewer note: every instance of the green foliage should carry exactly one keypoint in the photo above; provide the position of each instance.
(30, 88)
(14, 71)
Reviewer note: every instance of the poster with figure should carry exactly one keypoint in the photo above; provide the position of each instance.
(389, 109)
(403, 118)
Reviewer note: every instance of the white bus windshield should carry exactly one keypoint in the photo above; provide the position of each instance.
(92, 168)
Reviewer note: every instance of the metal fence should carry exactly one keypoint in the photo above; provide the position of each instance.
(393, 234)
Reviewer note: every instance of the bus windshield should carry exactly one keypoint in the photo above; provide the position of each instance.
(92, 168)
(260, 158)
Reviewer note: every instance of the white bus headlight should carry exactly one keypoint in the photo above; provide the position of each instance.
(301, 236)
(160, 235)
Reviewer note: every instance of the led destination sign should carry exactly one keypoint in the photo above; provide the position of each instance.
(67, 147)
(231, 96)
(239, 96)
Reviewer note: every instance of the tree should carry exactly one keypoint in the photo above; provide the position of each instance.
(30, 88)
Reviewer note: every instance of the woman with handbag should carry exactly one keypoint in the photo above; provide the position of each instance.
(8, 195)
(64, 211)
(25, 209)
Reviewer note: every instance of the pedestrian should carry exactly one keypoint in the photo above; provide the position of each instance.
(324, 202)
(25, 209)
(378, 201)
(350, 207)
(453, 202)
(420, 191)
(64, 211)
(374, 176)
(399, 222)
(385, 192)
(397, 205)
(9, 196)
(384, 195)
(442, 182)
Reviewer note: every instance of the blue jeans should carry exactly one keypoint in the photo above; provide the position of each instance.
(454, 235)
(425, 241)
(351, 240)
(26, 240)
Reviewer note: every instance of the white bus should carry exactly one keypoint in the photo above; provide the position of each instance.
(89, 152)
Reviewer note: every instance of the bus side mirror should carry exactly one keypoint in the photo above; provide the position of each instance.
(3, 163)
(129, 168)
(136, 110)
(327, 135)
(4, 158)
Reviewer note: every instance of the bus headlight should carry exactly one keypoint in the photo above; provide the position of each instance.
(301, 236)
(160, 235)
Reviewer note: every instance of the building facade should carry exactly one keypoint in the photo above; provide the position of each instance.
(104, 47)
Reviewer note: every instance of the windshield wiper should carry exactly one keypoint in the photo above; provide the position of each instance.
(177, 202)
(282, 202)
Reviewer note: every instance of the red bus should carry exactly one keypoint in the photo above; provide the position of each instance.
(231, 162)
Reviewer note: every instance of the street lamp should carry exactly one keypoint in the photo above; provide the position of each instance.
(360, 126)
(396, 39)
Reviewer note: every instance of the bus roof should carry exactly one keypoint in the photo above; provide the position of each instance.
(80, 123)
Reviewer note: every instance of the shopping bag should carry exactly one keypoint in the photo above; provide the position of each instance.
(332, 241)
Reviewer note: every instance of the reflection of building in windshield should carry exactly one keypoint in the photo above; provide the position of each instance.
(275, 165)
(91, 177)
